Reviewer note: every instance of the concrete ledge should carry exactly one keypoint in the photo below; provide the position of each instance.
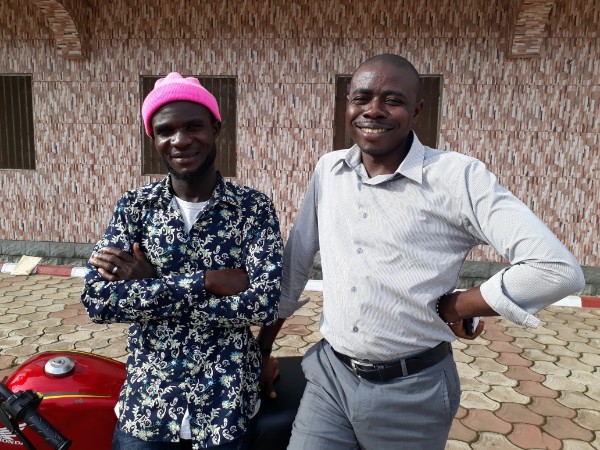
(59, 271)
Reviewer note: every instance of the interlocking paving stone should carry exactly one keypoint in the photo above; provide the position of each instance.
(460, 432)
(519, 385)
(462, 357)
(467, 371)
(488, 364)
(528, 343)
(559, 383)
(22, 351)
(482, 420)
(512, 359)
(498, 335)
(516, 413)
(549, 368)
(502, 347)
(496, 379)
(584, 348)
(525, 435)
(27, 331)
(559, 350)
(10, 342)
(519, 333)
(588, 419)
(569, 363)
(550, 407)
(489, 441)
(594, 389)
(504, 394)
(75, 336)
(479, 351)
(569, 444)
(478, 400)
(299, 330)
(473, 385)
(562, 428)
(576, 400)
(8, 318)
(312, 338)
(457, 445)
(34, 317)
(535, 389)
(461, 413)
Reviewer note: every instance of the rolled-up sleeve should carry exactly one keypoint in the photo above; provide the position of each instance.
(542, 270)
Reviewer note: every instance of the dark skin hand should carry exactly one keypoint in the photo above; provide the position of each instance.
(270, 369)
(114, 264)
(269, 372)
(458, 308)
(221, 282)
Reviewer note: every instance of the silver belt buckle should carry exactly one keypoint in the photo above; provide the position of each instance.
(358, 365)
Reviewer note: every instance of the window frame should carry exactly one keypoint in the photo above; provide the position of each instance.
(17, 133)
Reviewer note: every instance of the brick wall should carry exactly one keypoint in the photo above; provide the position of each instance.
(535, 120)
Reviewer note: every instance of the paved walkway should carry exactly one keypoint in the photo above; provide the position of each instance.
(522, 388)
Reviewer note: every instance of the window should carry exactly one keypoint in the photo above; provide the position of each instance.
(17, 150)
(224, 90)
(427, 126)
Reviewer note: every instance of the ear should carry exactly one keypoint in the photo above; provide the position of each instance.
(216, 125)
(417, 110)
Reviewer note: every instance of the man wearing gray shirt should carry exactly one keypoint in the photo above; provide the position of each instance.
(394, 221)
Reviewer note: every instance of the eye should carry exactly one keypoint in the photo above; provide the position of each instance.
(394, 101)
(359, 100)
(195, 126)
(162, 131)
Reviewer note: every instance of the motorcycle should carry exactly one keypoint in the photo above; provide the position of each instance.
(66, 399)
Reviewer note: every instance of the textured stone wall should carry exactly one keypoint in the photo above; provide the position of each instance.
(535, 121)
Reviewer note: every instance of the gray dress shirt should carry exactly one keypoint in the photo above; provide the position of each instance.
(392, 244)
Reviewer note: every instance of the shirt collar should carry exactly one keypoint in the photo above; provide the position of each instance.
(162, 194)
(411, 167)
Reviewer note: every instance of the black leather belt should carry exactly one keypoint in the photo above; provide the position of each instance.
(401, 368)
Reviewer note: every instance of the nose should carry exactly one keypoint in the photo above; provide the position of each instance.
(180, 139)
(375, 108)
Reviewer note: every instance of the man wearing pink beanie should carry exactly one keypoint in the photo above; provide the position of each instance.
(190, 262)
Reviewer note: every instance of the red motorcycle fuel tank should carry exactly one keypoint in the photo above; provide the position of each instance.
(79, 391)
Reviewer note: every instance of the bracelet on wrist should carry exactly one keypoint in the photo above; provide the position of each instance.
(437, 310)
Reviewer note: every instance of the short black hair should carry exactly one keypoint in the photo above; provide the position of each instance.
(397, 61)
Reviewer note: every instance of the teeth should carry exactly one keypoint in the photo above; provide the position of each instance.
(372, 130)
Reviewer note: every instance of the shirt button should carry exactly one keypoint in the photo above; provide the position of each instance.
(355, 329)
(365, 215)
(353, 290)
(359, 250)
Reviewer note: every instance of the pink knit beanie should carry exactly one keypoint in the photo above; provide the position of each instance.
(175, 88)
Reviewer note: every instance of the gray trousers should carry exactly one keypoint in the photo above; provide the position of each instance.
(340, 411)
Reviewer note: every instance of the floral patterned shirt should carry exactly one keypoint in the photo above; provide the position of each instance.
(189, 349)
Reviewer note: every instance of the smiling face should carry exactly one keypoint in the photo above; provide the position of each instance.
(382, 109)
(184, 135)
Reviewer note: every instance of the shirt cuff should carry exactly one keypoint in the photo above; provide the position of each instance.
(288, 307)
(187, 287)
(494, 294)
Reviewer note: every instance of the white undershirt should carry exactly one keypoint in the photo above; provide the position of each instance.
(189, 211)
